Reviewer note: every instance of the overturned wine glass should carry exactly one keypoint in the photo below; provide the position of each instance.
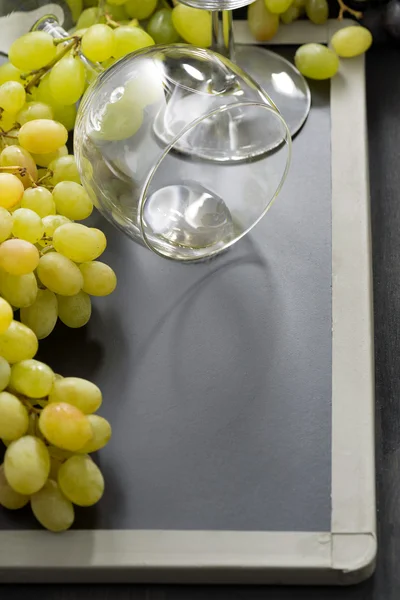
(178, 147)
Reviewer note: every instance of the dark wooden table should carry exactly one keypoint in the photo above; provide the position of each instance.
(383, 85)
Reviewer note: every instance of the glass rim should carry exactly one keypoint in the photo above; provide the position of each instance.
(286, 140)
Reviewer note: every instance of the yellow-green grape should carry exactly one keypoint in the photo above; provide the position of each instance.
(27, 225)
(351, 41)
(98, 43)
(81, 481)
(11, 190)
(89, 17)
(101, 430)
(90, 3)
(12, 97)
(45, 160)
(43, 93)
(6, 315)
(317, 11)
(9, 73)
(59, 274)
(5, 224)
(7, 122)
(66, 115)
(15, 156)
(291, 14)
(120, 2)
(9, 498)
(64, 169)
(116, 11)
(81, 393)
(34, 110)
(32, 51)
(79, 243)
(193, 25)
(42, 315)
(14, 419)
(98, 278)
(161, 28)
(138, 9)
(262, 23)
(27, 465)
(55, 465)
(76, 7)
(42, 136)
(316, 61)
(277, 7)
(130, 39)
(65, 426)
(52, 509)
(40, 200)
(120, 120)
(75, 311)
(51, 223)
(19, 290)
(67, 81)
(18, 343)
(31, 378)
(18, 257)
(5, 373)
(72, 201)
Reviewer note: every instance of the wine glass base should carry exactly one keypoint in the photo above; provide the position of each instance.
(280, 79)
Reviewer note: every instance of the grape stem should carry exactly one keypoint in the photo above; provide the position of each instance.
(74, 42)
(344, 8)
(110, 21)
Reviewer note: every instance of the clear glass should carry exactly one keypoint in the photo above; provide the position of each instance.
(172, 142)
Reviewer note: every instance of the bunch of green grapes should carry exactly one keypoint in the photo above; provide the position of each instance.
(49, 428)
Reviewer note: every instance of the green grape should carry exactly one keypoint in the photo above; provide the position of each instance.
(130, 39)
(31, 378)
(98, 43)
(117, 12)
(65, 426)
(27, 225)
(193, 25)
(59, 274)
(42, 136)
(317, 11)
(14, 156)
(90, 3)
(262, 23)
(72, 201)
(101, 430)
(79, 243)
(161, 28)
(351, 41)
(55, 465)
(9, 73)
(66, 115)
(40, 200)
(81, 393)
(12, 97)
(64, 169)
(42, 315)
(98, 278)
(121, 2)
(316, 61)
(291, 14)
(5, 224)
(27, 465)
(19, 290)
(81, 480)
(11, 190)
(120, 120)
(43, 93)
(52, 509)
(51, 223)
(277, 7)
(89, 17)
(18, 343)
(139, 9)
(8, 497)
(67, 81)
(14, 420)
(32, 51)
(34, 110)
(7, 122)
(18, 257)
(75, 311)
(5, 374)
(6, 315)
(45, 160)
(76, 7)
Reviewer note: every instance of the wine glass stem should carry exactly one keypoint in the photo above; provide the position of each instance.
(222, 33)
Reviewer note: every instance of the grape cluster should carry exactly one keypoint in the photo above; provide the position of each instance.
(48, 271)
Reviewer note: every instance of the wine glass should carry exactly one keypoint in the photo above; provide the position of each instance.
(277, 76)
